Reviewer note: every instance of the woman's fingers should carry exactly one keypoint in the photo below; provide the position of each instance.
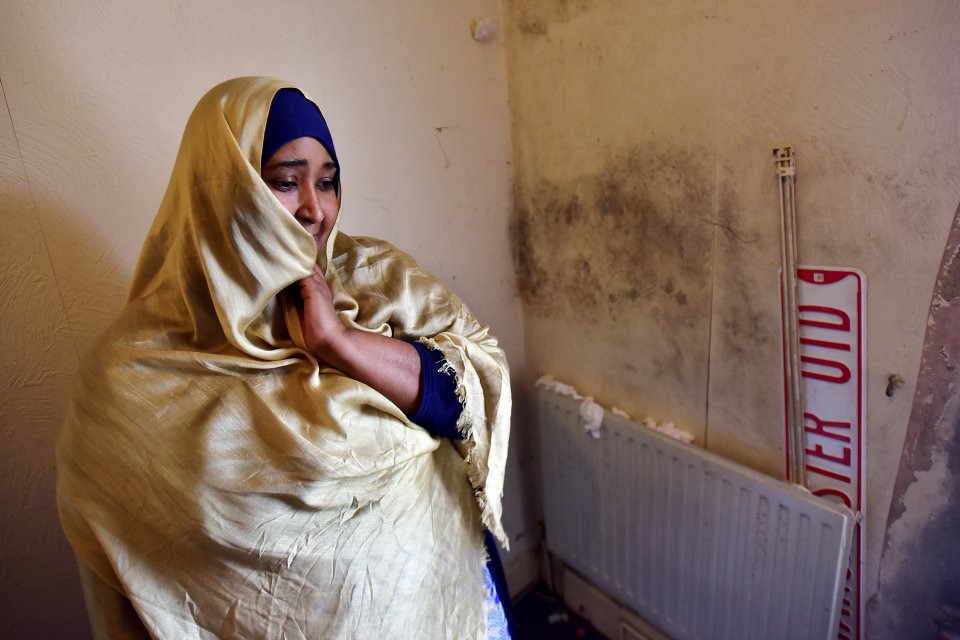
(318, 318)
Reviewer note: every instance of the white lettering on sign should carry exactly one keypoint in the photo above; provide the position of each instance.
(831, 322)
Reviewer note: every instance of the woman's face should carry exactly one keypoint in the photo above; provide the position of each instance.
(302, 175)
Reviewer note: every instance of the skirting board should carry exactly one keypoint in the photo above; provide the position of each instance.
(609, 618)
(523, 572)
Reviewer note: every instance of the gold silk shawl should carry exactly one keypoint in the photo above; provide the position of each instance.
(218, 479)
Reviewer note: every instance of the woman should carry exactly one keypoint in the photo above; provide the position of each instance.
(245, 454)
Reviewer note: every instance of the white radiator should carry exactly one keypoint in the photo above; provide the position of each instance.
(697, 545)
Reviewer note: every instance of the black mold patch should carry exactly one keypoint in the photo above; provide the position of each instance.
(637, 235)
(533, 27)
(534, 20)
(744, 328)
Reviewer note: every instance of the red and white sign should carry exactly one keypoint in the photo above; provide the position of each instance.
(832, 323)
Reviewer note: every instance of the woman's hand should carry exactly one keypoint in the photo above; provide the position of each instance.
(390, 366)
(323, 331)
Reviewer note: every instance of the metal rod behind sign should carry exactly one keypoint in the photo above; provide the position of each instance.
(786, 176)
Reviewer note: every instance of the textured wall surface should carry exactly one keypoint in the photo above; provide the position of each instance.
(38, 584)
(919, 582)
(646, 205)
(95, 97)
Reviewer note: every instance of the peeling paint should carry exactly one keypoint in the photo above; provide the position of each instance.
(949, 283)
(921, 548)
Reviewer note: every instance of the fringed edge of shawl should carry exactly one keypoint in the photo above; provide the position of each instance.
(465, 421)
(465, 428)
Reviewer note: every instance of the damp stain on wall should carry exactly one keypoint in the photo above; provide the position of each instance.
(532, 27)
(745, 327)
(534, 17)
(635, 235)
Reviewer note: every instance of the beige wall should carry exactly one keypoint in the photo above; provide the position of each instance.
(95, 96)
(646, 228)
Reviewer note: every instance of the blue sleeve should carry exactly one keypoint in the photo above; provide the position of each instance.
(439, 407)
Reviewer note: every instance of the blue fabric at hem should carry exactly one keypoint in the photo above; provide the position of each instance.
(495, 567)
(439, 407)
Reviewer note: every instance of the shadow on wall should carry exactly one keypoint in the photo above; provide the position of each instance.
(39, 586)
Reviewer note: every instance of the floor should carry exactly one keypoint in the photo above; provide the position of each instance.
(540, 615)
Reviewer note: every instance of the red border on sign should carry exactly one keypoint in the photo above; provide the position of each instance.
(824, 275)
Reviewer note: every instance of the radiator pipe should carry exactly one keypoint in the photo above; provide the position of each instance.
(786, 177)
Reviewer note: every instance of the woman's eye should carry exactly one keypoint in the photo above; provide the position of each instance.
(284, 185)
(326, 184)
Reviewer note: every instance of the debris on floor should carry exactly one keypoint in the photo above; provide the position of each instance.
(541, 615)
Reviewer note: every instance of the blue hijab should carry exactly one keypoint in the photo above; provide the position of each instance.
(293, 116)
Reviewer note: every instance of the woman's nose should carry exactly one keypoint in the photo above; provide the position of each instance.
(308, 209)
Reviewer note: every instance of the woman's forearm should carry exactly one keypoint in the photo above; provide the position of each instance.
(389, 365)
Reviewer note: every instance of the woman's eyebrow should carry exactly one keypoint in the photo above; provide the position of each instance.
(300, 162)
(296, 162)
